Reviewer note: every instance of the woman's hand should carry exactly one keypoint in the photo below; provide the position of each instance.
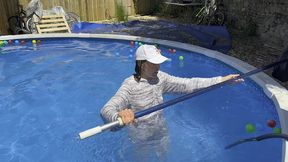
(232, 76)
(127, 116)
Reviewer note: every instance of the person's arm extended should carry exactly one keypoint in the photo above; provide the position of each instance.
(118, 102)
(174, 84)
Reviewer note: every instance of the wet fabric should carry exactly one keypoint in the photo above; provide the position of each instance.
(150, 139)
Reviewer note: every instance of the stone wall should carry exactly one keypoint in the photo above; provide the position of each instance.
(265, 18)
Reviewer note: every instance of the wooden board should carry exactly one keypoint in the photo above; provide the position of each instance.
(53, 24)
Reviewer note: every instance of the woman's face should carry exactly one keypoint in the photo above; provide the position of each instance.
(150, 68)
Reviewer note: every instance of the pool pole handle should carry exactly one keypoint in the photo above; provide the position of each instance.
(99, 129)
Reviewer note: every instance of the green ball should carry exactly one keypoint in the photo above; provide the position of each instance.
(250, 128)
(277, 130)
(181, 58)
(140, 44)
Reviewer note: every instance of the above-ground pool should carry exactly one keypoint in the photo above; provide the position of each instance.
(53, 90)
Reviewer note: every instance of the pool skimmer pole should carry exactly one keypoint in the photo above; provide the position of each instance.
(118, 122)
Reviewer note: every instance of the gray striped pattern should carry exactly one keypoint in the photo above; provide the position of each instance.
(142, 95)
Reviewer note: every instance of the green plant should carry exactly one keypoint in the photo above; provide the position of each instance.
(120, 13)
(135, 2)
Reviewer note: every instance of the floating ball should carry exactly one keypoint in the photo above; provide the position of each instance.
(23, 42)
(10, 42)
(277, 130)
(38, 41)
(16, 42)
(271, 123)
(136, 43)
(250, 128)
(130, 56)
(174, 50)
(140, 44)
(170, 50)
(131, 51)
(5, 42)
(181, 58)
(34, 41)
(117, 54)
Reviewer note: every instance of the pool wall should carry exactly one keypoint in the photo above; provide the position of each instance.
(277, 93)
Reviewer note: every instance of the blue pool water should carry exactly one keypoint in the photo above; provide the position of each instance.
(51, 92)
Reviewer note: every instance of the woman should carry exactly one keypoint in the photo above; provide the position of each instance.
(145, 89)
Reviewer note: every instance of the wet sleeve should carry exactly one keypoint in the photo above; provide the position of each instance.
(174, 84)
(117, 103)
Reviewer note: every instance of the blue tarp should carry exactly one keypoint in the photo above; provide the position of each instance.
(212, 37)
(86, 27)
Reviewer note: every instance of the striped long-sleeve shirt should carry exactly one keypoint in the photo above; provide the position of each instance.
(142, 95)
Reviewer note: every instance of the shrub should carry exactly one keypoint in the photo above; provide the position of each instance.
(120, 13)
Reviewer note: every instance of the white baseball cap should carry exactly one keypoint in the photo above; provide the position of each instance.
(150, 53)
